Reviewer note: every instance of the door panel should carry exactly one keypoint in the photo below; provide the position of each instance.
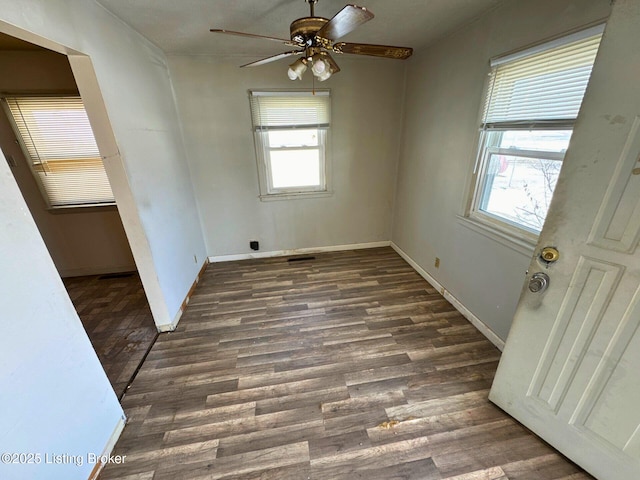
(617, 226)
(579, 317)
(571, 366)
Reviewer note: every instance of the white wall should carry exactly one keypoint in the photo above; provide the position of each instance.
(366, 121)
(54, 393)
(80, 241)
(445, 87)
(146, 162)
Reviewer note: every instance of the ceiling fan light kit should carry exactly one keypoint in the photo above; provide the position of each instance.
(315, 37)
(297, 69)
(319, 66)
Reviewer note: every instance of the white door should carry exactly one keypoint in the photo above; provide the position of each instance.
(571, 366)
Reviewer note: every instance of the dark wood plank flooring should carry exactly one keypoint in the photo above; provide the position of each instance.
(349, 366)
(115, 314)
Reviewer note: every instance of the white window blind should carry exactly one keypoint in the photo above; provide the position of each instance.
(543, 87)
(59, 143)
(280, 110)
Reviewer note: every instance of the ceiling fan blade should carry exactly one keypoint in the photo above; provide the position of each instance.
(251, 35)
(345, 21)
(273, 58)
(400, 53)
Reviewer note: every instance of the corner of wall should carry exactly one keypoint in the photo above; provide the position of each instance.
(170, 327)
(400, 152)
(106, 452)
(468, 314)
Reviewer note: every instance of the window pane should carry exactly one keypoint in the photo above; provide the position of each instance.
(60, 146)
(519, 189)
(291, 130)
(543, 140)
(293, 138)
(295, 168)
(62, 133)
(53, 128)
(66, 182)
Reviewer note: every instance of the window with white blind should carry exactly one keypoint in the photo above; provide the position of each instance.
(532, 101)
(290, 131)
(61, 150)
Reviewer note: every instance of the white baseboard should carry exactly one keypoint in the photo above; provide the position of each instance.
(475, 321)
(170, 327)
(297, 251)
(111, 443)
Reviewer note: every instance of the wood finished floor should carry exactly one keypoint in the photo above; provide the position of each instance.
(116, 316)
(349, 366)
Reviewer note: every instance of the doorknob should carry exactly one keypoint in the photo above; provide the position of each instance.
(538, 282)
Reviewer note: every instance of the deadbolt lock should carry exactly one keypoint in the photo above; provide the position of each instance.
(549, 254)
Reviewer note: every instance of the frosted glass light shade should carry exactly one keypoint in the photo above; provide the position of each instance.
(297, 69)
(319, 67)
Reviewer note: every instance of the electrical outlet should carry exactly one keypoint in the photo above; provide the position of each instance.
(437, 263)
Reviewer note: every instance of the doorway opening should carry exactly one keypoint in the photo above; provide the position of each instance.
(88, 245)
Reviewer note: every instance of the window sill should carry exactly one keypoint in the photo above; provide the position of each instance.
(273, 197)
(96, 207)
(512, 240)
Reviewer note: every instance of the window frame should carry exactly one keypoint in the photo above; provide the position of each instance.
(266, 153)
(36, 165)
(493, 225)
(263, 149)
(487, 149)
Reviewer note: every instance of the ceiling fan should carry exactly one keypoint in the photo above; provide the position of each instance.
(315, 38)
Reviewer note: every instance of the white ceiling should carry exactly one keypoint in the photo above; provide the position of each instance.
(182, 27)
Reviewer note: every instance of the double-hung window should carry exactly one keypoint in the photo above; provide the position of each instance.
(291, 130)
(532, 102)
(59, 145)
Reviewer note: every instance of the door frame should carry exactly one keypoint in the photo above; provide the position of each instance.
(89, 89)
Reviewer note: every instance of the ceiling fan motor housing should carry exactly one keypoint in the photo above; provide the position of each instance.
(303, 30)
(315, 37)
